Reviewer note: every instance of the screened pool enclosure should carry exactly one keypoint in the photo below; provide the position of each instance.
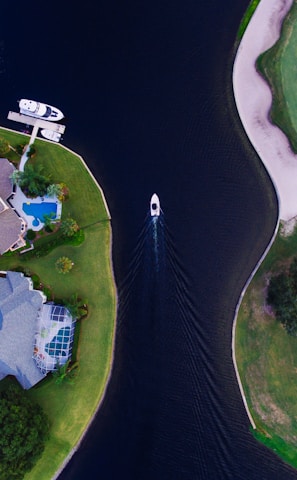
(53, 338)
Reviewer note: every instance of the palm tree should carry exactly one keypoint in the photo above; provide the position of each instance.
(69, 227)
(76, 306)
(65, 372)
(15, 177)
(32, 181)
(54, 190)
(64, 265)
(48, 218)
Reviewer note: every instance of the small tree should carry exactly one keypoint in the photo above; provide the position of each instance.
(282, 298)
(20, 148)
(64, 372)
(76, 306)
(4, 147)
(69, 227)
(48, 221)
(31, 234)
(54, 190)
(64, 265)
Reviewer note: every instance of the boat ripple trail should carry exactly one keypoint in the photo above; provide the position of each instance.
(201, 373)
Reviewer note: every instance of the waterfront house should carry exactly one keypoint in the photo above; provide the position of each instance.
(35, 336)
(12, 226)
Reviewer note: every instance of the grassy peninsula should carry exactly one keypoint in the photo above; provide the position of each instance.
(70, 407)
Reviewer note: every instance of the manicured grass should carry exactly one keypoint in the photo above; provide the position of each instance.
(70, 407)
(278, 66)
(267, 359)
(246, 18)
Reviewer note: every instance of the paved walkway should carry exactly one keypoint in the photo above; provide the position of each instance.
(23, 160)
(37, 123)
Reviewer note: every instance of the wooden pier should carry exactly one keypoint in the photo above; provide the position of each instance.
(36, 123)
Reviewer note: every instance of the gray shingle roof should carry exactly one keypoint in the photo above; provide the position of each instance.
(19, 306)
(6, 169)
(10, 222)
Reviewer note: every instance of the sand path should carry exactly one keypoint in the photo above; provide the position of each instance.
(253, 99)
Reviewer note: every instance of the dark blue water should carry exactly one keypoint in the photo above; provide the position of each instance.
(146, 89)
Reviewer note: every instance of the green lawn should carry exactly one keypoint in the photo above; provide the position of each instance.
(70, 407)
(279, 67)
(267, 359)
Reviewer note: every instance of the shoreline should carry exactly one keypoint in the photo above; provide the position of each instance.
(253, 100)
(77, 446)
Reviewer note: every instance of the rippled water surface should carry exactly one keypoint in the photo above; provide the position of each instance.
(146, 89)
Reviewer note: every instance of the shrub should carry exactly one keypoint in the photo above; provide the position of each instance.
(20, 148)
(47, 292)
(281, 295)
(4, 147)
(36, 280)
(77, 238)
(31, 234)
(49, 228)
(31, 151)
(53, 242)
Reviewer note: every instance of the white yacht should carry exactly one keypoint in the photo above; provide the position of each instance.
(40, 110)
(51, 135)
(155, 206)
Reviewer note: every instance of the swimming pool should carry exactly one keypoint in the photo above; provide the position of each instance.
(38, 210)
(61, 343)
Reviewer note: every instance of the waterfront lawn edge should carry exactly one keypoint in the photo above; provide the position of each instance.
(71, 407)
(266, 358)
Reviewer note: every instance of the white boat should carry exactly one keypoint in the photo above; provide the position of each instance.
(40, 110)
(51, 135)
(155, 206)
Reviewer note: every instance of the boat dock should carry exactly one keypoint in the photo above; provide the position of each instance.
(36, 123)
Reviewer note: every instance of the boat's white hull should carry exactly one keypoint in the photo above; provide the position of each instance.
(51, 135)
(40, 110)
(155, 206)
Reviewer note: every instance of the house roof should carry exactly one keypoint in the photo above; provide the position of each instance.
(34, 336)
(6, 169)
(10, 222)
(19, 309)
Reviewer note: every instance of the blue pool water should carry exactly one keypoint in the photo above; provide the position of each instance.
(59, 343)
(38, 210)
